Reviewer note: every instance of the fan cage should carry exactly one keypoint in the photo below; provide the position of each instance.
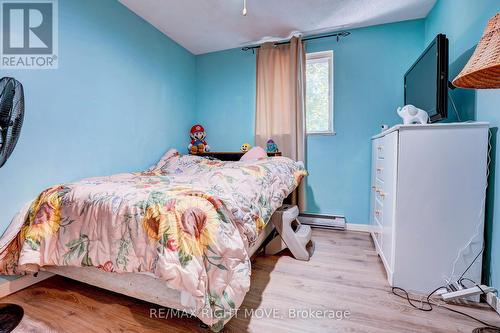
(11, 116)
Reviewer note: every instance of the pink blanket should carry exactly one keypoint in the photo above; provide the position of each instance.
(189, 221)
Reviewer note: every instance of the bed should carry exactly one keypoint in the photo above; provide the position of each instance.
(180, 234)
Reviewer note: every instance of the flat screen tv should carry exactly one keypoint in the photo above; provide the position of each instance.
(426, 82)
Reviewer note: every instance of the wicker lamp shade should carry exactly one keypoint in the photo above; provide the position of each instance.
(483, 68)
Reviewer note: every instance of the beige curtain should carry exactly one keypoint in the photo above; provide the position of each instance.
(280, 104)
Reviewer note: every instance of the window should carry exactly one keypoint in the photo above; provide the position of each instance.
(319, 93)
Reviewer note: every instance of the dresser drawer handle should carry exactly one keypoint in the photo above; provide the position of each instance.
(377, 212)
(379, 170)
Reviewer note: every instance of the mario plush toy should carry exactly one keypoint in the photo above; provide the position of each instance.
(198, 143)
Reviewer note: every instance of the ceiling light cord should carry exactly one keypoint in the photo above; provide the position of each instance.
(244, 12)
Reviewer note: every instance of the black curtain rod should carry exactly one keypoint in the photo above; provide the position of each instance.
(336, 34)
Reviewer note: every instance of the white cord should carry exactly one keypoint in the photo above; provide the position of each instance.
(454, 107)
(244, 12)
(480, 220)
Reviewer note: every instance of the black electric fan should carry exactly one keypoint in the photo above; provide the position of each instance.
(11, 121)
(11, 116)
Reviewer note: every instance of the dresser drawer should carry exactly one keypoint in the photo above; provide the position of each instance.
(380, 189)
(379, 169)
(378, 148)
(380, 151)
(377, 238)
(378, 212)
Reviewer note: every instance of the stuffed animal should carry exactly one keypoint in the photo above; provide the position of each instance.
(272, 147)
(198, 143)
(245, 147)
(413, 115)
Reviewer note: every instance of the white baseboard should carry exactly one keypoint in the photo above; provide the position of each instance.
(10, 287)
(358, 227)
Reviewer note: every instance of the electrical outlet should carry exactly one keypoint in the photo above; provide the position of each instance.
(494, 301)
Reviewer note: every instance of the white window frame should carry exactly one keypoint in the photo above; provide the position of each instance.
(317, 56)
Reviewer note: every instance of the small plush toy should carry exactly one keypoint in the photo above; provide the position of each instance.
(245, 147)
(413, 115)
(272, 147)
(198, 143)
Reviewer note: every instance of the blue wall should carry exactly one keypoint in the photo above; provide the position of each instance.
(225, 98)
(463, 21)
(122, 95)
(369, 67)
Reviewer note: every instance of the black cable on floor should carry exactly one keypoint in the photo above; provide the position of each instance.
(427, 305)
(423, 304)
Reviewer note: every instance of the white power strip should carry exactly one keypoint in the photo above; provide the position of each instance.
(494, 301)
(474, 291)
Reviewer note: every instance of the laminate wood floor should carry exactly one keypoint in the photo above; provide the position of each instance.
(345, 274)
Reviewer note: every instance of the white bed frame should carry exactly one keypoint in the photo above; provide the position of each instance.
(145, 286)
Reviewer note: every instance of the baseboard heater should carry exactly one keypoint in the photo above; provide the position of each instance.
(323, 221)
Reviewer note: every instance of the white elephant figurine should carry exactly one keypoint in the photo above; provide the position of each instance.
(413, 115)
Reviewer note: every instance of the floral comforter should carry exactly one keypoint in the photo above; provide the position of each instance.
(189, 221)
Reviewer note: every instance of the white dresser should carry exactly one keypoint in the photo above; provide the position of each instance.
(427, 201)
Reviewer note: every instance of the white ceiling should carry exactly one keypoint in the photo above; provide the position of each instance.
(203, 26)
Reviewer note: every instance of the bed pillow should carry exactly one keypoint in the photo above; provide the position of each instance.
(169, 154)
(254, 154)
